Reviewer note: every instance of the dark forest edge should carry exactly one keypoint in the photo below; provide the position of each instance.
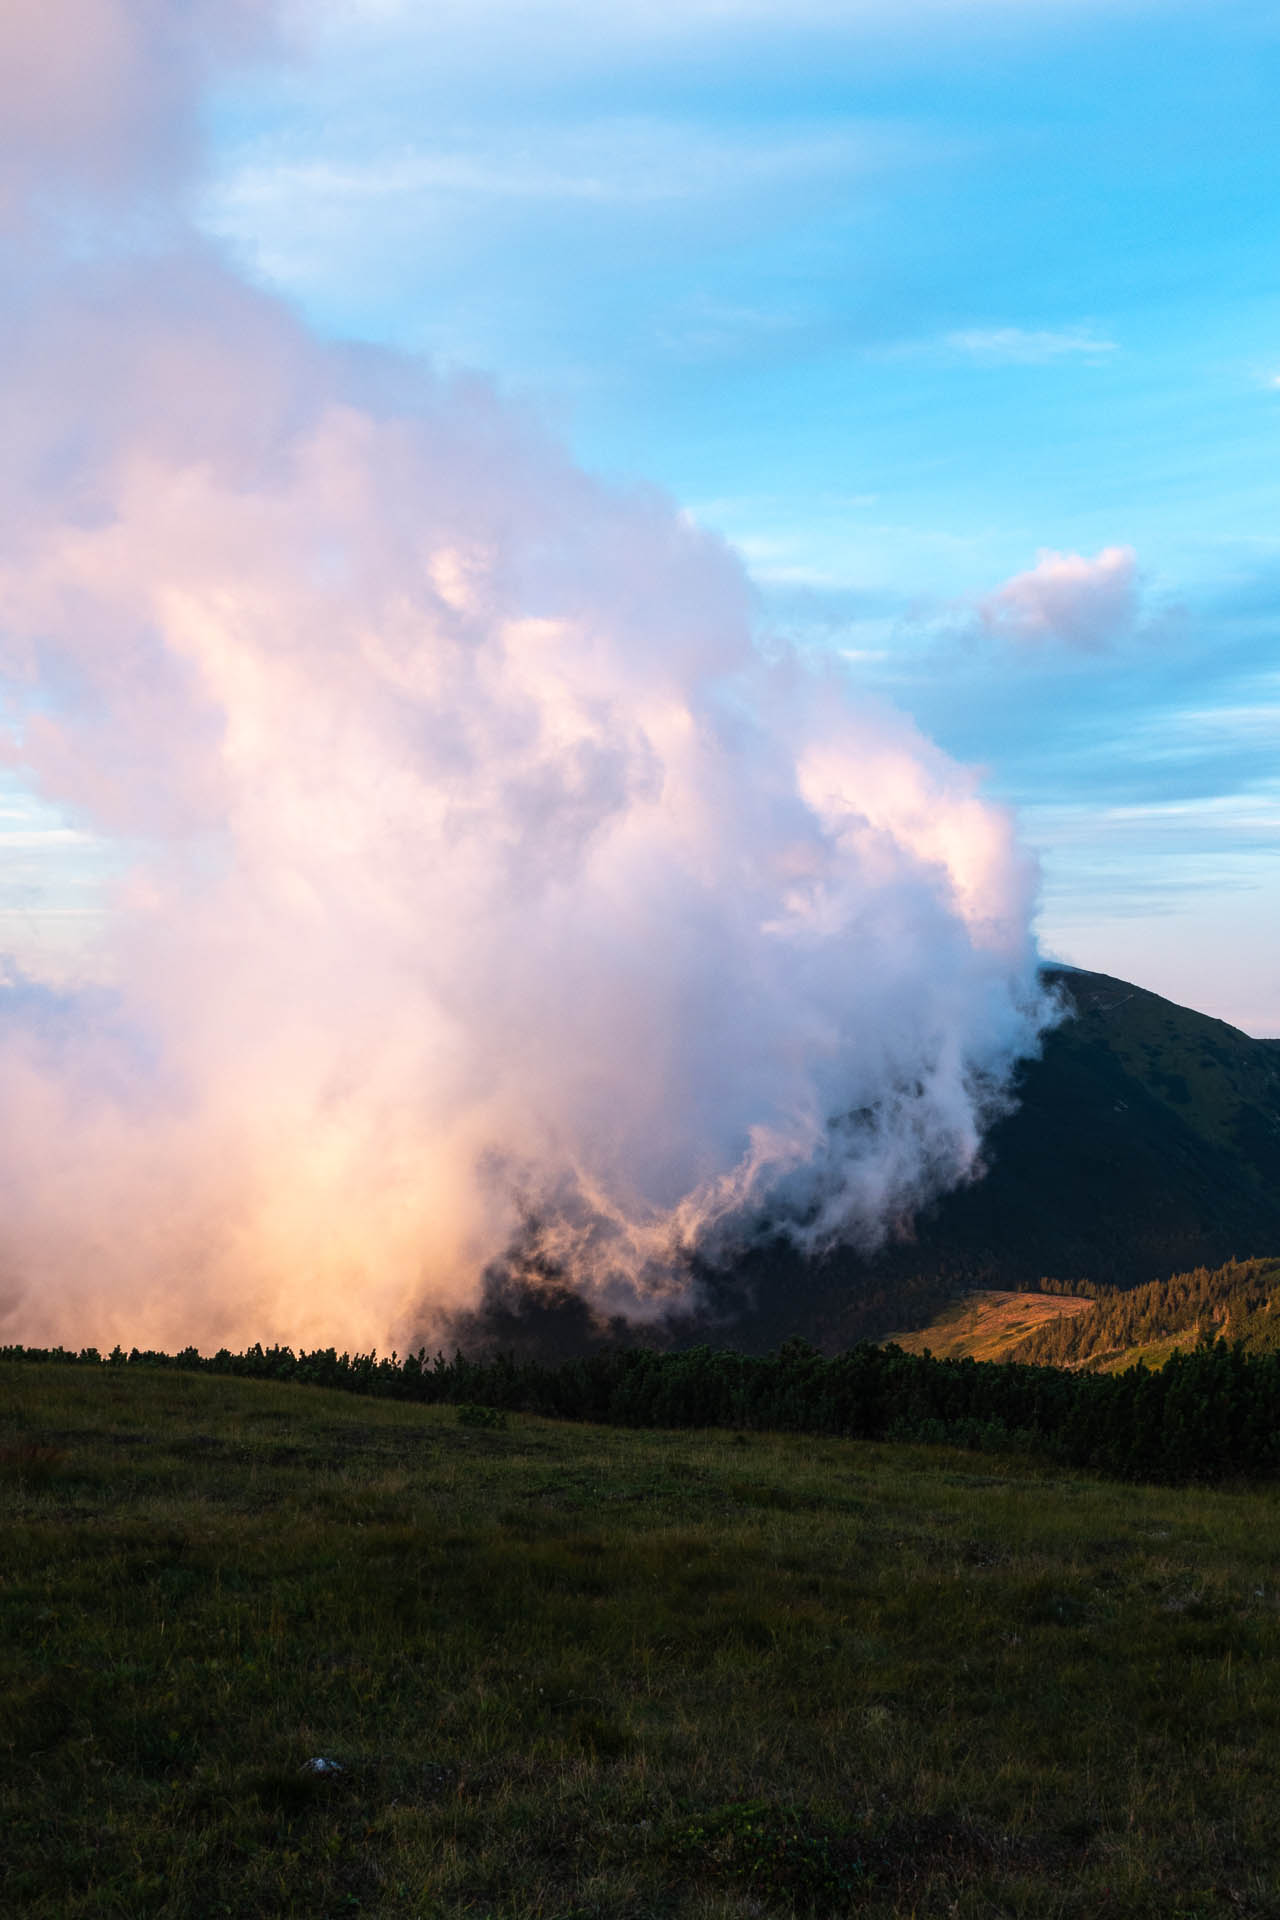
(1207, 1415)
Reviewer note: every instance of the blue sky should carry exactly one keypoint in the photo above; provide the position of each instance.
(959, 319)
(899, 300)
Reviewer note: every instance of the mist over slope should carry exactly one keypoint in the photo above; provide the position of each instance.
(1146, 1141)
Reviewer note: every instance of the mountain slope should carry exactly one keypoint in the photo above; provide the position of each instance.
(989, 1324)
(1146, 1141)
(1147, 1138)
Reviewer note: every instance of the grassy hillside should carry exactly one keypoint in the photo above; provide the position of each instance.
(571, 1672)
(989, 1324)
(1146, 1142)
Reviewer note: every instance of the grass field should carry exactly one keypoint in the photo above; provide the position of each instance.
(567, 1671)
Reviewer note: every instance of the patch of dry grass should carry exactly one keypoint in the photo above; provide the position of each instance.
(987, 1325)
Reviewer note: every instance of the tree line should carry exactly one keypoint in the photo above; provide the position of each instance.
(1239, 1303)
(1209, 1414)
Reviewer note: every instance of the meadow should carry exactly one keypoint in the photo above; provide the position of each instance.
(562, 1671)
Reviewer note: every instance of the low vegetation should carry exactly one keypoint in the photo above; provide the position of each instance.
(556, 1671)
(1207, 1415)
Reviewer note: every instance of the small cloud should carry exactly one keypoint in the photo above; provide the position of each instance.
(1026, 347)
(710, 329)
(1067, 598)
(631, 160)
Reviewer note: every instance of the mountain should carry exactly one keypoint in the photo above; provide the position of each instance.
(1145, 1142)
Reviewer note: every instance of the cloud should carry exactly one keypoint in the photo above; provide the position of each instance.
(1025, 347)
(1067, 598)
(625, 160)
(649, 20)
(475, 878)
(482, 871)
(99, 95)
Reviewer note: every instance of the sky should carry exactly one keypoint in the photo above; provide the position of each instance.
(582, 594)
(959, 321)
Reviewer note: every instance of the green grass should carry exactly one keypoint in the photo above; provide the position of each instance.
(571, 1671)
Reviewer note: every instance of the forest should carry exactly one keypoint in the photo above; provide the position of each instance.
(1236, 1303)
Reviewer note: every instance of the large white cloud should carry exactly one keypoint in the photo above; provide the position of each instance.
(477, 868)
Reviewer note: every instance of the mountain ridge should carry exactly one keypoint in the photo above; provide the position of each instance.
(1145, 1141)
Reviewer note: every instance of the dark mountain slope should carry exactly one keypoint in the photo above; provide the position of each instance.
(1147, 1137)
(1146, 1141)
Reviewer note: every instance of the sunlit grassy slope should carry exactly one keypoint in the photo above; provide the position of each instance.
(985, 1325)
(568, 1671)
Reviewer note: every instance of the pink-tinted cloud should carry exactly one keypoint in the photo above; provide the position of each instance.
(476, 866)
(1068, 599)
(480, 866)
(99, 95)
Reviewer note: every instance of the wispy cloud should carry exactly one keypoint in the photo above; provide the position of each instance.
(626, 159)
(662, 19)
(1029, 346)
(707, 329)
